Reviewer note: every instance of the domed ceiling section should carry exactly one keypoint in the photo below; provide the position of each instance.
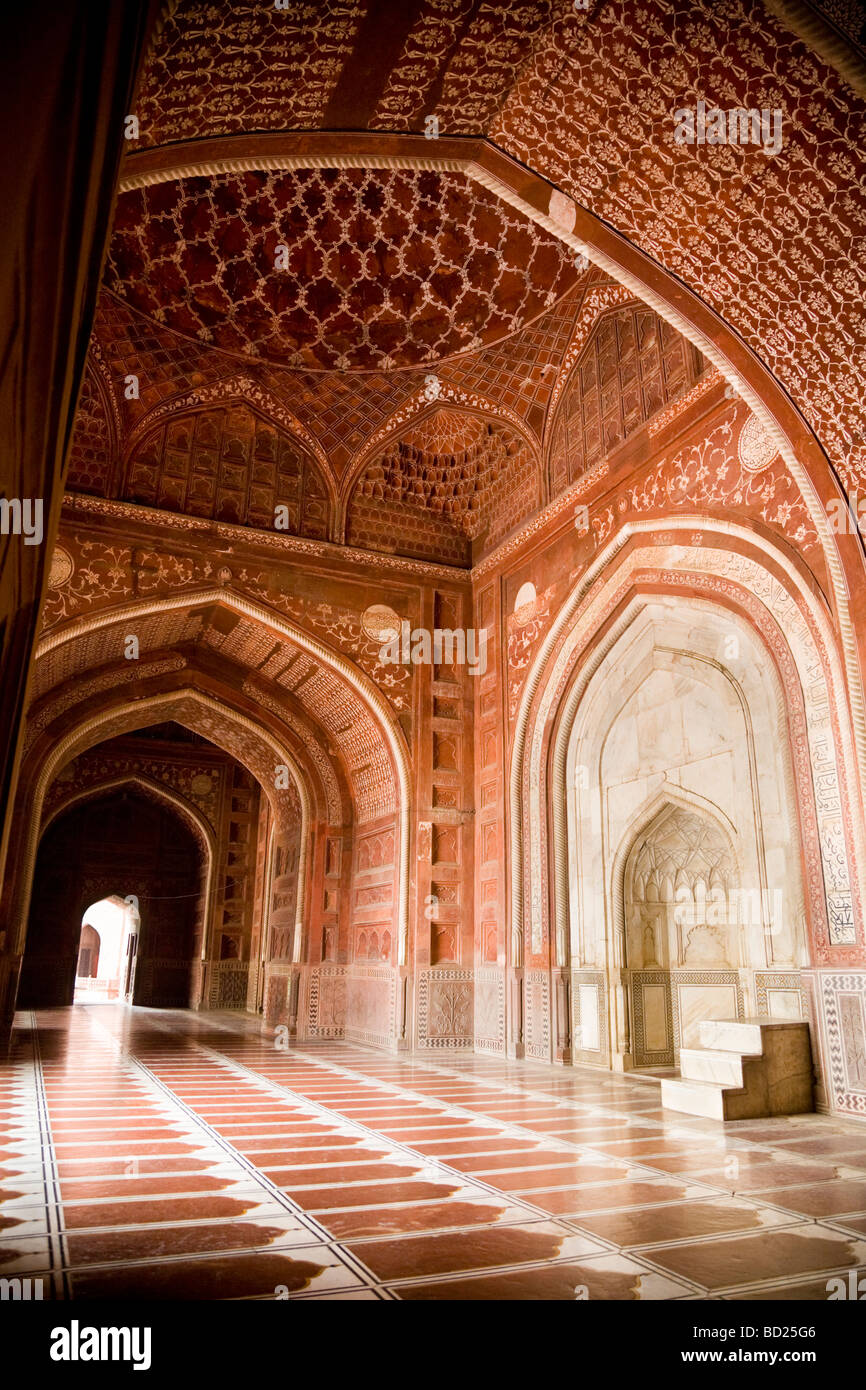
(450, 478)
(771, 240)
(354, 270)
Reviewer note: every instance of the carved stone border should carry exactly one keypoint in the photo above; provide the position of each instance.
(388, 976)
(596, 979)
(491, 975)
(701, 977)
(843, 1095)
(426, 980)
(664, 1057)
(315, 978)
(767, 979)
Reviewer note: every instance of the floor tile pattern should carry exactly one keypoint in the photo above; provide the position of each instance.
(157, 1154)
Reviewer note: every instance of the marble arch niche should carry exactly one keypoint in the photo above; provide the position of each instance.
(684, 879)
(680, 875)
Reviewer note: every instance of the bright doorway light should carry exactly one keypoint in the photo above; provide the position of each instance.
(109, 934)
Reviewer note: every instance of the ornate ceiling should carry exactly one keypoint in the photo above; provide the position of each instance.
(290, 329)
(344, 66)
(441, 485)
(431, 465)
(325, 268)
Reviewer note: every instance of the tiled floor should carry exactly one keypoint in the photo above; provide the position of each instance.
(169, 1155)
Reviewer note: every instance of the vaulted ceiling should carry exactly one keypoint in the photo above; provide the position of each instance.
(236, 659)
(394, 354)
(334, 268)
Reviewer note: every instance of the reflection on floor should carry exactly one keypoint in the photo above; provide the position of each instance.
(157, 1154)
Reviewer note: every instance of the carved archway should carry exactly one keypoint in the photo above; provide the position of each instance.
(277, 443)
(159, 792)
(104, 842)
(803, 646)
(655, 881)
(362, 686)
(126, 717)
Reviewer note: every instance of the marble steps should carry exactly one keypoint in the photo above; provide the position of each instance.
(713, 1064)
(744, 1069)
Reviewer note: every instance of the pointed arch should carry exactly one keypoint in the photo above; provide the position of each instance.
(791, 622)
(413, 412)
(125, 717)
(158, 791)
(239, 389)
(369, 694)
(649, 815)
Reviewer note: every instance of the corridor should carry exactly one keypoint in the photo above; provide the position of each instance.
(167, 1155)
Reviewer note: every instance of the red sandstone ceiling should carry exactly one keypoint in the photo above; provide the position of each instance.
(377, 460)
(585, 97)
(324, 268)
(342, 66)
(390, 273)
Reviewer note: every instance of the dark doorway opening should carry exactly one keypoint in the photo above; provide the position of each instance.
(112, 848)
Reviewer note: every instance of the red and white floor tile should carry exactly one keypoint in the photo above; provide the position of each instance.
(169, 1155)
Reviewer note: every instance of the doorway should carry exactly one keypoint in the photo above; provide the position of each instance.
(107, 949)
(141, 953)
(679, 878)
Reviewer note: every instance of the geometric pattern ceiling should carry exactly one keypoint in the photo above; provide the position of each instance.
(585, 98)
(330, 294)
(335, 269)
(441, 482)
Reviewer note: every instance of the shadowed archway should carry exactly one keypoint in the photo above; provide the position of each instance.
(115, 845)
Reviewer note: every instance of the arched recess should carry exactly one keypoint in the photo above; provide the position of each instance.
(679, 713)
(641, 953)
(127, 716)
(273, 464)
(609, 344)
(158, 792)
(794, 626)
(234, 390)
(363, 687)
(106, 845)
(456, 453)
(94, 443)
(420, 406)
